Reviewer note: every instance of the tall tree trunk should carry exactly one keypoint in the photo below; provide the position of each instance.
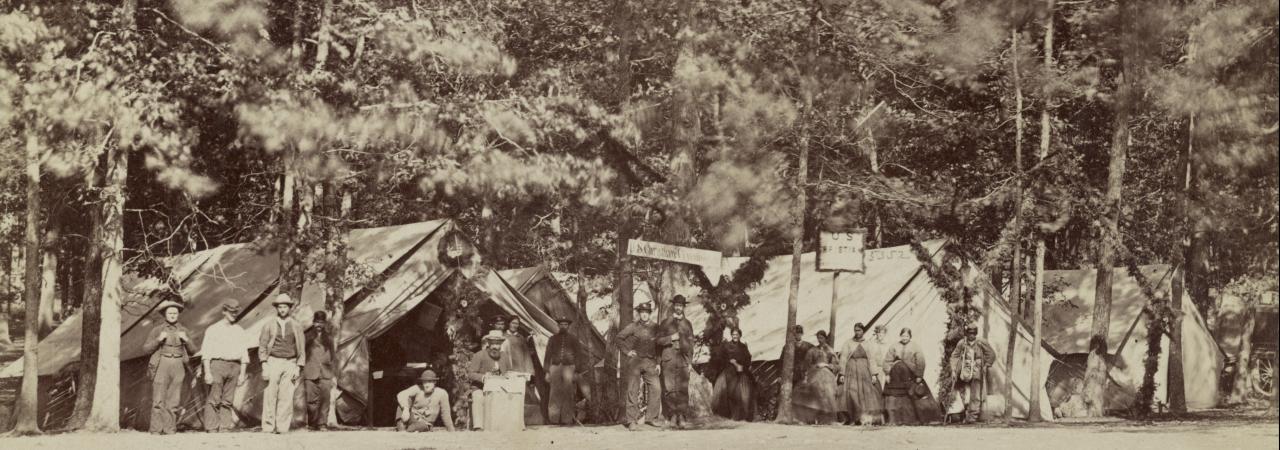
(290, 276)
(303, 241)
(1095, 382)
(1037, 312)
(91, 321)
(1015, 283)
(785, 413)
(104, 414)
(6, 264)
(48, 279)
(28, 397)
(1242, 386)
(322, 35)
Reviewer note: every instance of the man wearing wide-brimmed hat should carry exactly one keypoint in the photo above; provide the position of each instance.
(675, 339)
(638, 341)
(566, 362)
(170, 346)
(225, 359)
(487, 361)
(419, 406)
(284, 344)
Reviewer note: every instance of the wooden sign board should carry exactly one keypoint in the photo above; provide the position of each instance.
(842, 251)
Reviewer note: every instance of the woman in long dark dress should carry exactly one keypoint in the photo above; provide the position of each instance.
(906, 368)
(733, 395)
(861, 386)
(814, 401)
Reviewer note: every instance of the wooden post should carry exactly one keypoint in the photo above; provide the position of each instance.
(835, 306)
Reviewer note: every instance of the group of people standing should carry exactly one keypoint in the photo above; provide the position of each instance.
(659, 357)
(871, 382)
(290, 354)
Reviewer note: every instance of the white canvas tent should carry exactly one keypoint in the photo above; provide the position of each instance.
(896, 292)
(407, 257)
(1068, 322)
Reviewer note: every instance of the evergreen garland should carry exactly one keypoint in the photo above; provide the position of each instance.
(960, 311)
(1160, 321)
(723, 301)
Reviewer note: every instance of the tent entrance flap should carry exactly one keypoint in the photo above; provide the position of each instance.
(417, 342)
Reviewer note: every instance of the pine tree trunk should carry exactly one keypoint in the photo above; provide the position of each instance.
(1242, 386)
(104, 414)
(1095, 385)
(6, 264)
(289, 273)
(1015, 285)
(91, 320)
(322, 35)
(48, 280)
(1037, 312)
(28, 397)
(785, 413)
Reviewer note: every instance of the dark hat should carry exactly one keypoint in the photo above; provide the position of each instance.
(644, 307)
(679, 300)
(564, 319)
(428, 375)
(319, 316)
(973, 327)
(282, 299)
(170, 304)
(232, 306)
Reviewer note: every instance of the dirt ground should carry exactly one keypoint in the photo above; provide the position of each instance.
(1250, 431)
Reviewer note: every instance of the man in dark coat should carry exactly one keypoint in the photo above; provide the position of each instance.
(317, 373)
(637, 341)
(566, 362)
(675, 341)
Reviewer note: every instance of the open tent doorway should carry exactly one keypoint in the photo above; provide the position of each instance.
(397, 357)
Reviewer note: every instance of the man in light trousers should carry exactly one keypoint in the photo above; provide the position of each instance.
(284, 344)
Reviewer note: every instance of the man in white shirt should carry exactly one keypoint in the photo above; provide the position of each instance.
(225, 357)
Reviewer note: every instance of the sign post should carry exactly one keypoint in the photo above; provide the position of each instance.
(840, 252)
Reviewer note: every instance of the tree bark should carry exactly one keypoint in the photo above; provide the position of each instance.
(104, 414)
(1096, 373)
(1037, 312)
(28, 397)
(785, 414)
(1242, 386)
(6, 264)
(91, 320)
(322, 35)
(48, 280)
(1015, 283)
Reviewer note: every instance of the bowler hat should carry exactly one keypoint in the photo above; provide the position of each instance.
(679, 300)
(319, 316)
(428, 375)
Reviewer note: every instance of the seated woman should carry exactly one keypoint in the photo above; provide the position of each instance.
(814, 401)
(733, 396)
(422, 404)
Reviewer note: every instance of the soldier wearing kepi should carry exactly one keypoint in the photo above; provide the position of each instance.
(225, 359)
(284, 344)
(170, 346)
(970, 361)
(676, 343)
(419, 406)
(637, 341)
(565, 363)
(317, 373)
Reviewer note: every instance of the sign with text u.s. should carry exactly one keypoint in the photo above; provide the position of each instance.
(843, 251)
(708, 259)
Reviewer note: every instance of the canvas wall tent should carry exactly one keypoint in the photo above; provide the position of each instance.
(541, 288)
(406, 257)
(1068, 322)
(894, 292)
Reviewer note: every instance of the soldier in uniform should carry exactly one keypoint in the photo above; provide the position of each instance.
(566, 363)
(284, 344)
(170, 346)
(419, 406)
(317, 373)
(676, 343)
(636, 340)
